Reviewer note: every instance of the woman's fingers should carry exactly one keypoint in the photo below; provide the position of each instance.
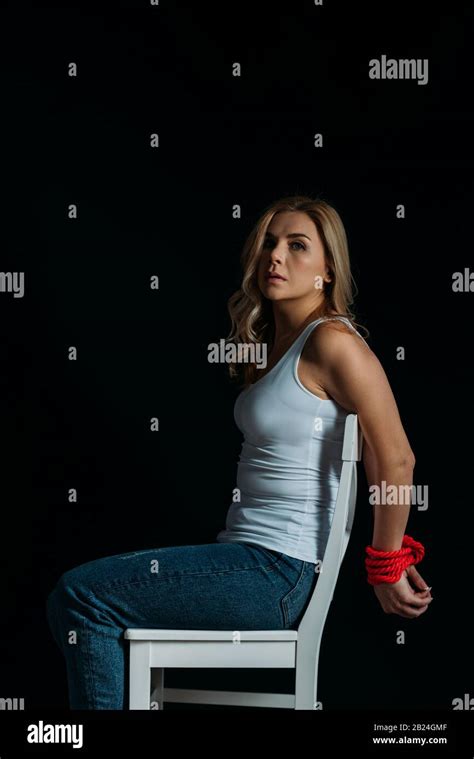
(409, 607)
(400, 598)
(416, 578)
(406, 610)
(414, 601)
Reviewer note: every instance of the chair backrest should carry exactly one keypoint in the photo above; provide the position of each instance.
(312, 623)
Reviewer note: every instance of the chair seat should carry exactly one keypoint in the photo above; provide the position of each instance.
(196, 635)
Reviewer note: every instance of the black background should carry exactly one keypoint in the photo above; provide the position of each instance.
(142, 353)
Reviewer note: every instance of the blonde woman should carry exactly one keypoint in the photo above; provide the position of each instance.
(260, 571)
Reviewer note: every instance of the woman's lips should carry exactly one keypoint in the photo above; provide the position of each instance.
(275, 279)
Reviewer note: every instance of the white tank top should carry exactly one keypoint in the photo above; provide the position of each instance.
(290, 463)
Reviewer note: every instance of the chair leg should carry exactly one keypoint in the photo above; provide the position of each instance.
(140, 675)
(306, 682)
(157, 685)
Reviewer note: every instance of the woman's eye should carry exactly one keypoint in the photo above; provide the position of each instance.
(295, 242)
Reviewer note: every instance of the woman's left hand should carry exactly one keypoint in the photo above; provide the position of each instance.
(402, 598)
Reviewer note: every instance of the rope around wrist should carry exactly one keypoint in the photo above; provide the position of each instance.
(388, 566)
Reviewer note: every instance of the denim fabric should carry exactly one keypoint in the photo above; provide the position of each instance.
(221, 586)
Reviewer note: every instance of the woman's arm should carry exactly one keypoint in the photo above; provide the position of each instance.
(389, 521)
(350, 372)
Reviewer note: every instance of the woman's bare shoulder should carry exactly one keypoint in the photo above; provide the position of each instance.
(335, 333)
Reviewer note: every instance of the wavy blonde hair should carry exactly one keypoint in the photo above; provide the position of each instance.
(251, 313)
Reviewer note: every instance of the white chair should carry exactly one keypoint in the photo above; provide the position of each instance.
(151, 651)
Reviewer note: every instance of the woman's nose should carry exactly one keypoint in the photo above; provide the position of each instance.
(275, 254)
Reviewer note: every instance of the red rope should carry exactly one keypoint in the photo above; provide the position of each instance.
(388, 566)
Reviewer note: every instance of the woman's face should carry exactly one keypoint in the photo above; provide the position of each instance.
(293, 249)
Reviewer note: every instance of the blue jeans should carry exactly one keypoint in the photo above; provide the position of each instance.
(221, 586)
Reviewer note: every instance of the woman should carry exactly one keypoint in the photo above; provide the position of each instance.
(261, 570)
